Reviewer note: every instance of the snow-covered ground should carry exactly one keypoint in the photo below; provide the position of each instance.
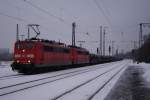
(5, 68)
(72, 84)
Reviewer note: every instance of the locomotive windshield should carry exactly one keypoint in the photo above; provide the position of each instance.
(21, 46)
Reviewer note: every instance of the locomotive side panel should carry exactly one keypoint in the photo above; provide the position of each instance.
(38, 54)
(74, 58)
(83, 57)
(54, 55)
(79, 56)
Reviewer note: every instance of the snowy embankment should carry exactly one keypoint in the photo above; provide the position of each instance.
(86, 83)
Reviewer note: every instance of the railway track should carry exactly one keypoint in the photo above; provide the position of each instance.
(99, 89)
(88, 81)
(10, 76)
(18, 75)
(34, 83)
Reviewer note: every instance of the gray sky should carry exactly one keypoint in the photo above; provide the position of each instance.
(121, 17)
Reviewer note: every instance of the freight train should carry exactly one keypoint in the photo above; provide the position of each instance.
(35, 54)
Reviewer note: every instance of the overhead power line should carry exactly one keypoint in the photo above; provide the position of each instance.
(19, 19)
(12, 17)
(106, 8)
(101, 10)
(45, 11)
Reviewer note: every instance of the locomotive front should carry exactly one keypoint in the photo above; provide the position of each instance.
(24, 55)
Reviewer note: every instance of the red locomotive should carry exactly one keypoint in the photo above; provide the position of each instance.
(36, 53)
(31, 54)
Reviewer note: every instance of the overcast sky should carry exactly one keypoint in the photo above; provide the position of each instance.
(121, 17)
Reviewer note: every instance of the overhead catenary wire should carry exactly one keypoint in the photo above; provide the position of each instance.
(18, 19)
(106, 9)
(12, 17)
(101, 10)
(39, 8)
(45, 11)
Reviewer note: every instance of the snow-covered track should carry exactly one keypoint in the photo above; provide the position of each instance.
(10, 76)
(97, 91)
(33, 83)
(90, 80)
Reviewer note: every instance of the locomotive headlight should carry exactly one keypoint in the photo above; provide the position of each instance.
(30, 55)
(18, 61)
(23, 50)
(29, 61)
(17, 55)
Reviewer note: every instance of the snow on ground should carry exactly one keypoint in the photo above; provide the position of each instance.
(48, 91)
(91, 87)
(5, 68)
(25, 78)
(102, 94)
